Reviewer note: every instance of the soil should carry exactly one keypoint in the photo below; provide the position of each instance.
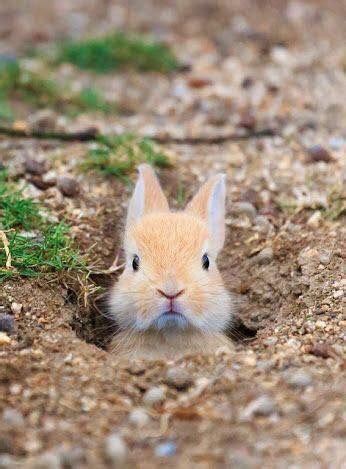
(279, 399)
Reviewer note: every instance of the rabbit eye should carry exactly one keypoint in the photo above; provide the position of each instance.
(135, 262)
(205, 262)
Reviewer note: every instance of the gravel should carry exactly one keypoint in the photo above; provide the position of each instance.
(261, 406)
(116, 449)
(298, 379)
(178, 378)
(7, 323)
(155, 395)
(68, 186)
(166, 449)
(139, 417)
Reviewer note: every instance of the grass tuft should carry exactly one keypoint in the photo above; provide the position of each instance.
(16, 82)
(118, 156)
(118, 50)
(36, 245)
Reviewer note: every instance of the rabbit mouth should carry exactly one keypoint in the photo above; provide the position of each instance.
(171, 320)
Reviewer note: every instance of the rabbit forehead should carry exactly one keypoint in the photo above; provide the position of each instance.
(174, 234)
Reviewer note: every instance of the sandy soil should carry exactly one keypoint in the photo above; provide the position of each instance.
(279, 399)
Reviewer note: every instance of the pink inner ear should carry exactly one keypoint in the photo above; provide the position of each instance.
(209, 204)
(147, 197)
(199, 203)
(154, 198)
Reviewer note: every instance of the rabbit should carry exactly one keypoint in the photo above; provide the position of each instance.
(170, 299)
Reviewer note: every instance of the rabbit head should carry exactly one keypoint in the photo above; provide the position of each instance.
(171, 280)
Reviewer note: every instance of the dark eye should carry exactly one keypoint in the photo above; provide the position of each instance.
(205, 262)
(135, 262)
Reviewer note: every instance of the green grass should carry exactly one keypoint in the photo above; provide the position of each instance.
(16, 82)
(118, 50)
(118, 156)
(36, 244)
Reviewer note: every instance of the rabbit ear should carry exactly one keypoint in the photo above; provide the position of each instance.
(147, 196)
(209, 204)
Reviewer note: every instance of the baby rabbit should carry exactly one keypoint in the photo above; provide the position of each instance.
(170, 300)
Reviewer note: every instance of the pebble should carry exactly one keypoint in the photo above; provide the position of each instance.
(68, 186)
(4, 339)
(325, 257)
(139, 417)
(198, 82)
(166, 449)
(7, 462)
(42, 183)
(178, 378)
(338, 294)
(35, 167)
(12, 417)
(49, 460)
(7, 323)
(298, 378)
(320, 324)
(270, 340)
(16, 308)
(115, 449)
(318, 153)
(247, 121)
(263, 225)
(262, 406)
(264, 257)
(154, 395)
(322, 350)
(336, 143)
(244, 208)
(315, 220)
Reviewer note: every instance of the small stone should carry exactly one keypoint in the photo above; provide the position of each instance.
(7, 462)
(320, 324)
(262, 406)
(35, 167)
(154, 395)
(247, 121)
(263, 225)
(16, 308)
(115, 449)
(322, 350)
(166, 449)
(43, 120)
(315, 220)
(244, 208)
(298, 378)
(325, 257)
(270, 341)
(178, 378)
(247, 82)
(73, 457)
(68, 186)
(264, 257)
(336, 143)
(12, 417)
(199, 82)
(139, 417)
(4, 339)
(48, 460)
(7, 323)
(338, 294)
(42, 183)
(318, 153)
(308, 259)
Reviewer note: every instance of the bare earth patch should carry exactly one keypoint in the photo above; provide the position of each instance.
(279, 399)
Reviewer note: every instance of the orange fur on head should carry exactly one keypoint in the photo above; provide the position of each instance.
(171, 287)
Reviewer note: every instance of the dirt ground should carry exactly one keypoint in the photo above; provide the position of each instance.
(278, 401)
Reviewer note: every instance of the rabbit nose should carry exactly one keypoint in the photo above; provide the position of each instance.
(170, 297)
